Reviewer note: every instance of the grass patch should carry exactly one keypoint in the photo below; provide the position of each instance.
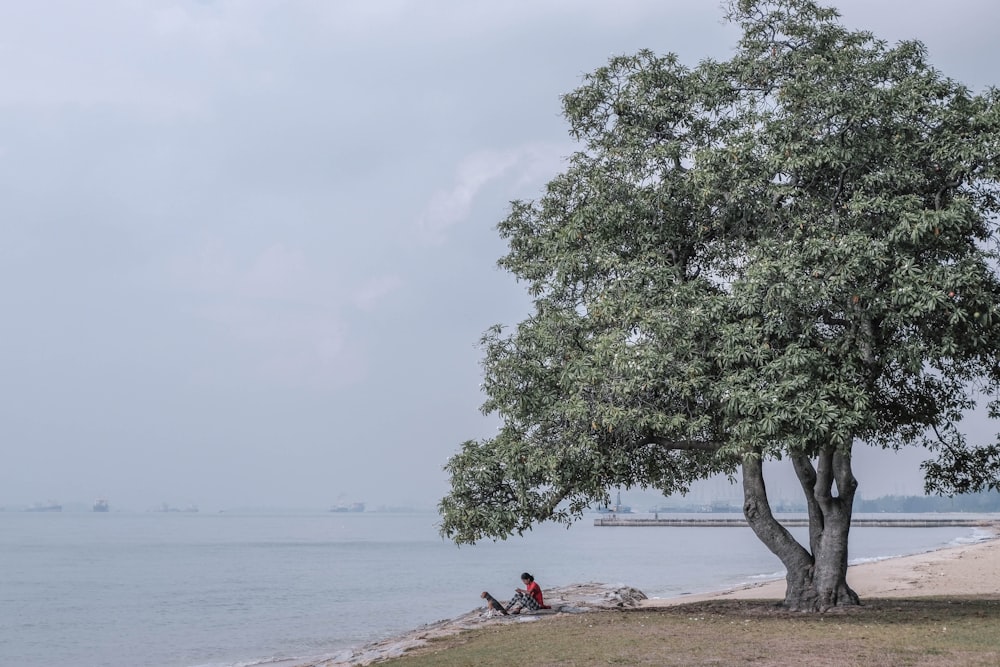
(919, 632)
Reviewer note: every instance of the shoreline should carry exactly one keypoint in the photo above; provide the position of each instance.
(571, 599)
(953, 570)
(962, 569)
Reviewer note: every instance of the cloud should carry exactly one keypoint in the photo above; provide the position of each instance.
(279, 272)
(291, 317)
(307, 348)
(82, 56)
(374, 291)
(279, 310)
(276, 272)
(451, 205)
(206, 26)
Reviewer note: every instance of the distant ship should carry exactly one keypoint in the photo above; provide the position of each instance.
(101, 505)
(167, 508)
(44, 507)
(348, 507)
(617, 508)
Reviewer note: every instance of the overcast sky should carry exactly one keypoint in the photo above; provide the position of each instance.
(249, 247)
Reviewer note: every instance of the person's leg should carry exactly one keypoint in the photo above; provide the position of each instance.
(516, 602)
(530, 603)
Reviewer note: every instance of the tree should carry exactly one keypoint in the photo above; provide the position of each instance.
(780, 256)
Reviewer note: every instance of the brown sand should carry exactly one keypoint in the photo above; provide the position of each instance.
(972, 569)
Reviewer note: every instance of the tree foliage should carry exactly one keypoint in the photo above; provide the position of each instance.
(777, 255)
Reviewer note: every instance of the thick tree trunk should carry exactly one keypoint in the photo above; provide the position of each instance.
(816, 577)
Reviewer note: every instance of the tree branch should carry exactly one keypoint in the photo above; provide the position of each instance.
(806, 474)
(687, 445)
(844, 476)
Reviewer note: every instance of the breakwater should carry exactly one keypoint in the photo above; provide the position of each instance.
(616, 520)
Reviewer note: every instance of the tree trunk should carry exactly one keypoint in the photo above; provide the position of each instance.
(816, 577)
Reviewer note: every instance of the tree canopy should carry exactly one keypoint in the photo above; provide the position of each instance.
(777, 256)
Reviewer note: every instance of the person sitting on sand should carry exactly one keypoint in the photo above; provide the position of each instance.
(528, 598)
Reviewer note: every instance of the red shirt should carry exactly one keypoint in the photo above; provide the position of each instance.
(535, 591)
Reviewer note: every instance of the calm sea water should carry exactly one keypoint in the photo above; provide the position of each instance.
(179, 590)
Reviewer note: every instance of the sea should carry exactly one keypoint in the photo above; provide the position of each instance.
(156, 589)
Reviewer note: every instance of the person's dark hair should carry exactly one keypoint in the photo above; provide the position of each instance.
(525, 575)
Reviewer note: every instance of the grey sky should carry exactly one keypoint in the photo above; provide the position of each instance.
(248, 247)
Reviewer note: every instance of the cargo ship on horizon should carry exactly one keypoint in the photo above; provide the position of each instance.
(44, 507)
(348, 507)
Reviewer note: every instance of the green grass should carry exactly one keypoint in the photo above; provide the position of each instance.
(919, 632)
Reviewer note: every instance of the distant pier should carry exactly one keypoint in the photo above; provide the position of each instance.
(615, 520)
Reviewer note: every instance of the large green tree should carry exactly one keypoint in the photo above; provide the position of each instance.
(784, 255)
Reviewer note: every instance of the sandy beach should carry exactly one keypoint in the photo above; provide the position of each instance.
(972, 569)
